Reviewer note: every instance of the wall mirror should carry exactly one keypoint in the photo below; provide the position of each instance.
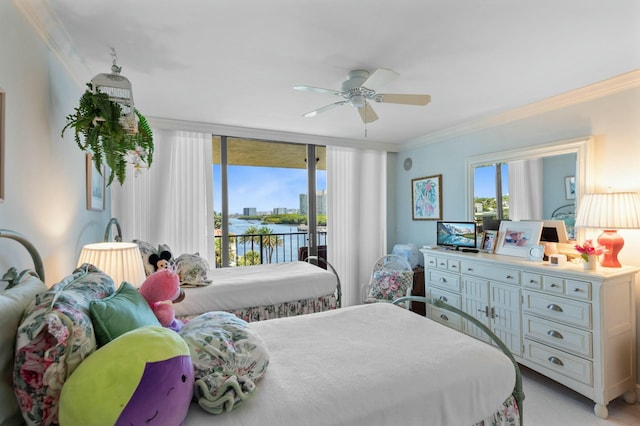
(541, 183)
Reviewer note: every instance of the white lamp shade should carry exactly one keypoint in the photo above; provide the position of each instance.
(613, 210)
(121, 261)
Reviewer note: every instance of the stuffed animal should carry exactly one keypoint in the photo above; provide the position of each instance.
(142, 377)
(161, 289)
(160, 261)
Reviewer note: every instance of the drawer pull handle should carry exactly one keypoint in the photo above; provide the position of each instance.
(444, 317)
(485, 311)
(509, 277)
(576, 290)
(444, 299)
(442, 264)
(555, 334)
(443, 280)
(469, 269)
(554, 307)
(533, 281)
(453, 266)
(556, 361)
(554, 285)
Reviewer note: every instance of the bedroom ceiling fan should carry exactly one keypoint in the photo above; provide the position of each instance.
(360, 88)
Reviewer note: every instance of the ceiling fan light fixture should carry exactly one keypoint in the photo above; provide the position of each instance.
(358, 100)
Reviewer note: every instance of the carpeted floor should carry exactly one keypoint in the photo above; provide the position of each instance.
(548, 403)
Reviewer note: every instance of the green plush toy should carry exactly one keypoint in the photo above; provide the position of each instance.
(144, 376)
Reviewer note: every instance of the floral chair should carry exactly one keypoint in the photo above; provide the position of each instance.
(391, 278)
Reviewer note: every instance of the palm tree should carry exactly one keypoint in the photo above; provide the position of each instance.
(269, 241)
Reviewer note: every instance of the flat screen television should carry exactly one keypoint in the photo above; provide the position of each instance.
(458, 235)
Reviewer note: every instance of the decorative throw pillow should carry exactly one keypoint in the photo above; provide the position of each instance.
(144, 376)
(119, 313)
(388, 285)
(228, 358)
(192, 270)
(55, 336)
(13, 303)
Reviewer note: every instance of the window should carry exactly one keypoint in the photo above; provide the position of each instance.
(491, 186)
(261, 200)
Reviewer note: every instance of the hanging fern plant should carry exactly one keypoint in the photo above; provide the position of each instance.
(101, 130)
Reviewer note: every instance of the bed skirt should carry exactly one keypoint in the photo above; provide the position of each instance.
(286, 309)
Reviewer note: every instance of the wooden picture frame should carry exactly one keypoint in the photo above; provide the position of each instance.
(95, 186)
(2, 131)
(426, 198)
(515, 238)
(570, 187)
(489, 241)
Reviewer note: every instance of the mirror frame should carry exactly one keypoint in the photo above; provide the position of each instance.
(582, 147)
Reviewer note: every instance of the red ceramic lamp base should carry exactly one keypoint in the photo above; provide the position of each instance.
(613, 243)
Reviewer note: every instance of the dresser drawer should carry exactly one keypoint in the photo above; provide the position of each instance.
(448, 297)
(566, 338)
(442, 263)
(568, 365)
(445, 317)
(493, 273)
(444, 279)
(532, 280)
(558, 309)
(430, 262)
(578, 289)
(552, 284)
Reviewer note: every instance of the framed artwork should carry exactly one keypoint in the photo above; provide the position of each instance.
(516, 238)
(95, 186)
(2, 96)
(489, 241)
(570, 187)
(426, 198)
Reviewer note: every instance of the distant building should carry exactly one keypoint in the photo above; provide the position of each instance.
(280, 210)
(249, 211)
(321, 202)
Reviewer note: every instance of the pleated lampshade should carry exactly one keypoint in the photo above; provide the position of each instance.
(121, 261)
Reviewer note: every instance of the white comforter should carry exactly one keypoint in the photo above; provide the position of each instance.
(258, 285)
(375, 364)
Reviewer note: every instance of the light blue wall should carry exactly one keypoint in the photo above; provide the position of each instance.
(612, 120)
(44, 173)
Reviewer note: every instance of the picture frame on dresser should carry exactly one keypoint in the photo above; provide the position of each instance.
(489, 241)
(515, 238)
(426, 198)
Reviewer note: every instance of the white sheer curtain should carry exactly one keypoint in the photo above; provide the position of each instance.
(171, 202)
(525, 189)
(356, 220)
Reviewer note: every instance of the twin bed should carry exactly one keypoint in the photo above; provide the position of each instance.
(374, 364)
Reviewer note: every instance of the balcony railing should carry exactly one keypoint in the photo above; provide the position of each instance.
(268, 248)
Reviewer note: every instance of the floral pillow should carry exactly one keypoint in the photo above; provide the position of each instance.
(192, 270)
(13, 303)
(55, 336)
(228, 357)
(389, 285)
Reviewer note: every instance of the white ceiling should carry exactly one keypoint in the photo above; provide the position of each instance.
(234, 62)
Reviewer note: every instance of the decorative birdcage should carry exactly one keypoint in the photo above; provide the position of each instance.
(119, 90)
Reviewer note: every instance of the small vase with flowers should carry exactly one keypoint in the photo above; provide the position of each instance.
(589, 253)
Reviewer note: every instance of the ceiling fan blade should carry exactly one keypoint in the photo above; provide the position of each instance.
(394, 98)
(323, 109)
(367, 113)
(379, 78)
(318, 90)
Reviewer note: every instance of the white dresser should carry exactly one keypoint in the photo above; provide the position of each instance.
(577, 327)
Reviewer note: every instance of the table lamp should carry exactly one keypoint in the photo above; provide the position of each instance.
(121, 261)
(610, 211)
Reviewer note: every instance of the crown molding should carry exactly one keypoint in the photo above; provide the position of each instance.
(630, 80)
(39, 15)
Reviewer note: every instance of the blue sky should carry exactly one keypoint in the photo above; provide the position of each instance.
(484, 181)
(264, 188)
